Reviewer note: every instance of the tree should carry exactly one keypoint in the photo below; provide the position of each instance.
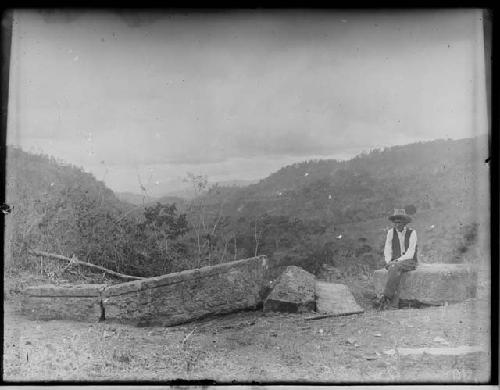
(164, 219)
(161, 224)
(205, 219)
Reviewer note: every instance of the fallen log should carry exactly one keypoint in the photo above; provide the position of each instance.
(74, 260)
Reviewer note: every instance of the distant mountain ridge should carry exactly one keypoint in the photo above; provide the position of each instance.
(133, 198)
(426, 174)
(179, 195)
(59, 208)
(38, 176)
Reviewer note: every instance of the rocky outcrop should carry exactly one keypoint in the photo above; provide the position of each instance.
(433, 284)
(335, 299)
(293, 292)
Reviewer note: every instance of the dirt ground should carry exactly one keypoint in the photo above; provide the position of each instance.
(253, 346)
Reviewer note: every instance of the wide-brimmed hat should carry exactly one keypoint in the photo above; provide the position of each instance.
(400, 216)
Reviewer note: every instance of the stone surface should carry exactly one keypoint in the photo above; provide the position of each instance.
(433, 284)
(79, 290)
(188, 295)
(51, 302)
(293, 292)
(332, 298)
(164, 300)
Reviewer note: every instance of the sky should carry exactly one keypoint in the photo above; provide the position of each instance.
(145, 98)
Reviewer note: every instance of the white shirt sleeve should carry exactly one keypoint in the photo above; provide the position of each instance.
(388, 246)
(411, 247)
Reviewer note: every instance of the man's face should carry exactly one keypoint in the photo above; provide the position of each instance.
(399, 225)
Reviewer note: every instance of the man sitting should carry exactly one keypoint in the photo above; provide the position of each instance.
(400, 254)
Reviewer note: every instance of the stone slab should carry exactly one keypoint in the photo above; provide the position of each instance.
(63, 302)
(52, 290)
(180, 277)
(440, 351)
(294, 292)
(164, 300)
(336, 299)
(433, 284)
(62, 308)
(189, 295)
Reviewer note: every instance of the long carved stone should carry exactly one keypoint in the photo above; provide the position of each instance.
(433, 284)
(188, 295)
(164, 300)
(50, 302)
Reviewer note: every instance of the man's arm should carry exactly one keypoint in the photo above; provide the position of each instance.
(411, 247)
(388, 247)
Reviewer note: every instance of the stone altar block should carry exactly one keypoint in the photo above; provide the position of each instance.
(433, 284)
(64, 302)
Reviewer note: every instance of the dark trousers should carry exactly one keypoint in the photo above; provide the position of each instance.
(396, 270)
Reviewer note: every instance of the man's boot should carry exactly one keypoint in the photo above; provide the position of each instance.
(394, 302)
(383, 303)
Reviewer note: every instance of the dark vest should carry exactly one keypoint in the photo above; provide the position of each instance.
(396, 250)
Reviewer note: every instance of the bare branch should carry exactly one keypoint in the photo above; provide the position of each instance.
(74, 260)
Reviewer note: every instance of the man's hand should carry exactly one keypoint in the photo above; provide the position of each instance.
(390, 264)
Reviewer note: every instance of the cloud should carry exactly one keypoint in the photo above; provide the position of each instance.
(203, 91)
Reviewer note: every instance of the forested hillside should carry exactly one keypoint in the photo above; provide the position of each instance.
(61, 209)
(335, 212)
(314, 213)
(427, 175)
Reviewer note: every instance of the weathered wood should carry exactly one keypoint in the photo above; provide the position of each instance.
(328, 315)
(85, 264)
(319, 317)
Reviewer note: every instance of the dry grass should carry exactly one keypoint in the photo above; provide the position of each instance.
(253, 346)
(256, 347)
